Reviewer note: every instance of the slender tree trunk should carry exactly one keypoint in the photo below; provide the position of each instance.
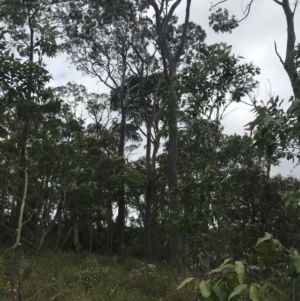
(91, 234)
(173, 179)
(22, 145)
(77, 246)
(25, 130)
(59, 219)
(121, 193)
(109, 225)
(58, 232)
(149, 201)
(17, 245)
(23, 175)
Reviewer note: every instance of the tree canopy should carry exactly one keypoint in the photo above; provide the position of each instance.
(144, 167)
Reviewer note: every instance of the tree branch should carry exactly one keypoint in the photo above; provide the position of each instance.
(247, 11)
(170, 14)
(215, 5)
(295, 7)
(183, 36)
(281, 60)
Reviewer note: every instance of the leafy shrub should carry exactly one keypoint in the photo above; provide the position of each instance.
(276, 268)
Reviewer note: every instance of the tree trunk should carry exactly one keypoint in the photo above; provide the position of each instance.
(25, 129)
(163, 14)
(22, 146)
(109, 226)
(149, 201)
(91, 234)
(289, 64)
(77, 246)
(121, 193)
(173, 179)
(17, 244)
(58, 232)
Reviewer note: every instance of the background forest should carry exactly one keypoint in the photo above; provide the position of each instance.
(143, 169)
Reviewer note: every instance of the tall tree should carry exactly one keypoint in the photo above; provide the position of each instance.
(102, 45)
(164, 13)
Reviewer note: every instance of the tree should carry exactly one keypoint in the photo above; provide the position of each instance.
(164, 13)
(106, 50)
(207, 89)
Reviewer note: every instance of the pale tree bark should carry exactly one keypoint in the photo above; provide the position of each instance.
(288, 63)
(164, 12)
(23, 173)
(13, 290)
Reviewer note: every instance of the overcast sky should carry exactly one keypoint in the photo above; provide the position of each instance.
(253, 39)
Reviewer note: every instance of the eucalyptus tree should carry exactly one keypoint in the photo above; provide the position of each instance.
(207, 88)
(112, 48)
(151, 106)
(31, 34)
(146, 115)
(170, 57)
(14, 88)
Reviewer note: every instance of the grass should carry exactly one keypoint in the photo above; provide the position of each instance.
(70, 277)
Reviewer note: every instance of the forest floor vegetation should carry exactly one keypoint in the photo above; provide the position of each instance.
(70, 277)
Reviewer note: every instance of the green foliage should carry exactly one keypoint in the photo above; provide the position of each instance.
(235, 280)
(213, 81)
(220, 21)
(276, 131)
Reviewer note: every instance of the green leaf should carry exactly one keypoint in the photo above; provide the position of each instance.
(254, 293)
(221, 268)
(218, 293)
(240, 271)
(225, 261)
(184, 282)
(275, 255)
(262, 239)
(275, 288)
(237, 290)
(252, 267)
(205, 289)
(264, 248)
(295, 260)
(277, 242)
(261, 293)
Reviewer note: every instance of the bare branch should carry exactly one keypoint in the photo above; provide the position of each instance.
(161, 7)
(154, 5)
(170, 14)
(215, 5)
(183, 36)
(295, 7)
(282, 62)
(140, 128)
(278, 2)
(247, 11)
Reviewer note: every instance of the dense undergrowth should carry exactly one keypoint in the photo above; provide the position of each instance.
(69, 277)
